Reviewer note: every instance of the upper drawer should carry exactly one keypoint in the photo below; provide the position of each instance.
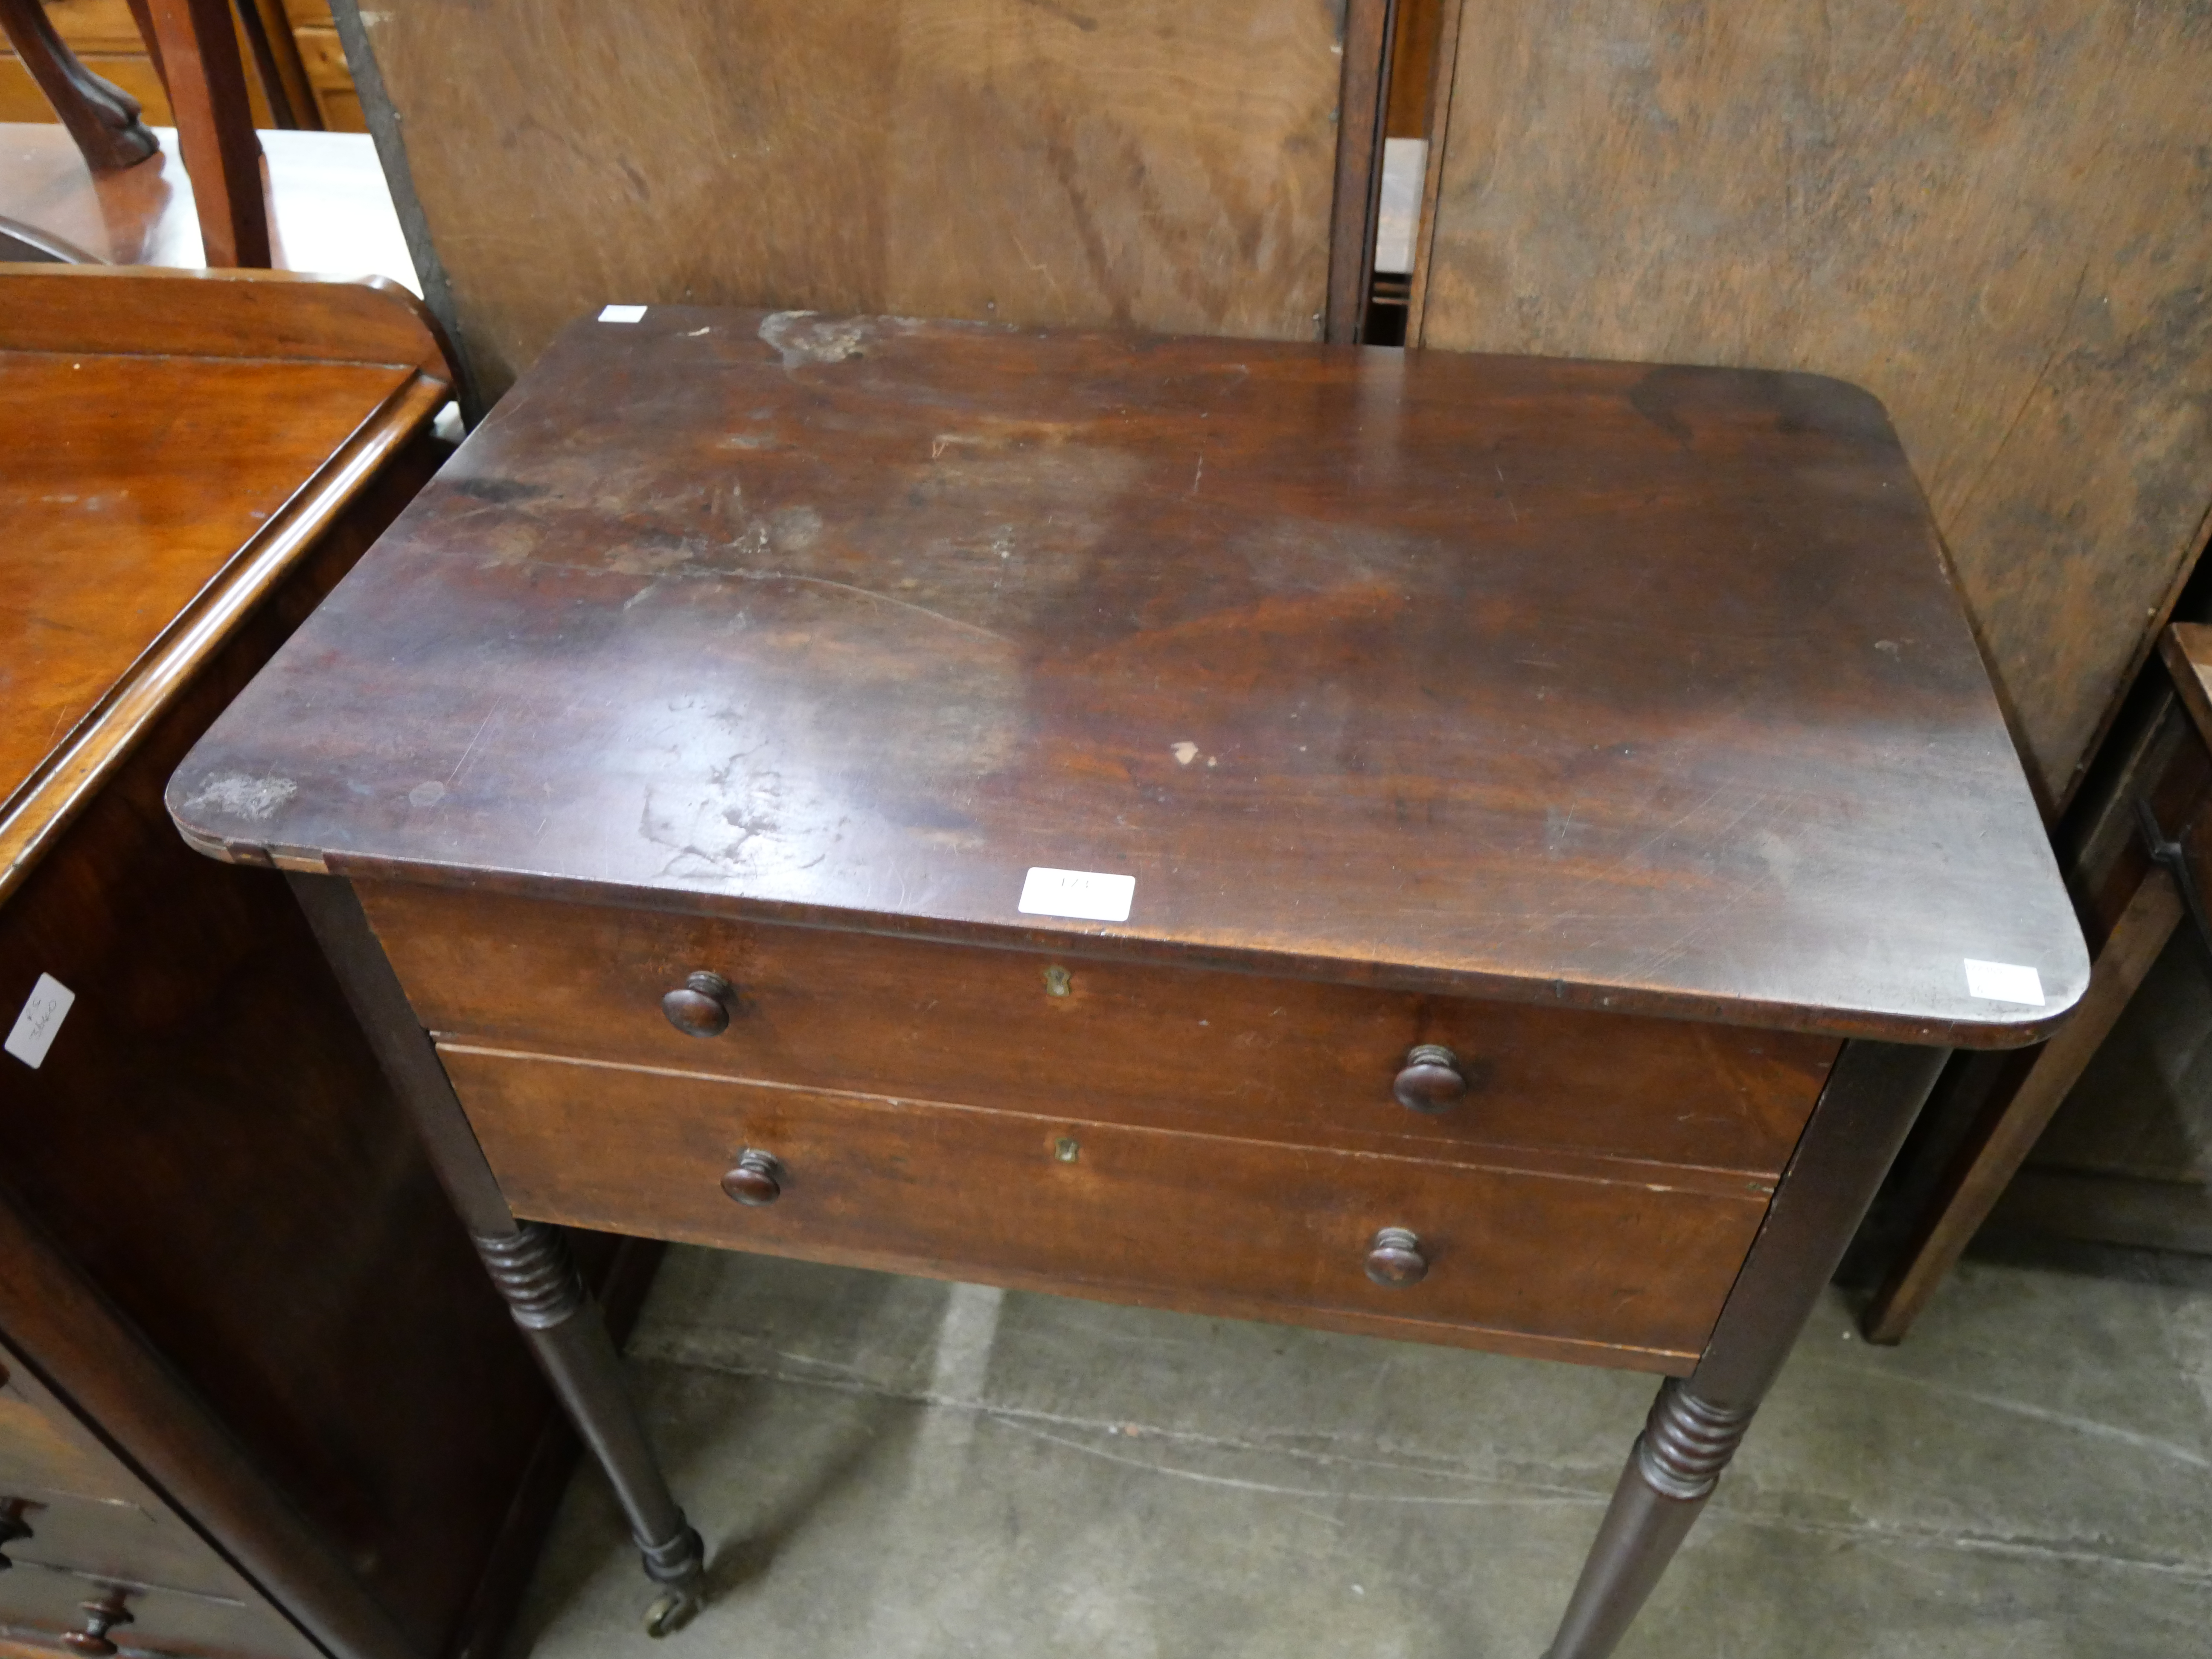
(1184, 1048)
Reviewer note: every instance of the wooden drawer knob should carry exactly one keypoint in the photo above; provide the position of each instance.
(99, 1617)
(757, 1178)
(701, 1007)
(1431, 1080)
(1394, 1258)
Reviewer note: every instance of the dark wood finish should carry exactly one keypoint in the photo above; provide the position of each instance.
(101, 118)
(757, 1178)
(1370, 27)
(1171, 1046)
(1686, 799)
(1579, 718)
(528, 1263)
(1144, 1215)
(1728, 186)
(214, 127)
(1431, 1081)
(2009, 1128)
(1696, 1424)
(83, 1516)
(2130, 906)
(219, 1241)
(700, 1007)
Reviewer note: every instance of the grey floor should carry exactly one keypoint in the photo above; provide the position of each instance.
(888, 1469)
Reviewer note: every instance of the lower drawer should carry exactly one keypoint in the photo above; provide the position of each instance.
(38, 1605)
(1620, 1272)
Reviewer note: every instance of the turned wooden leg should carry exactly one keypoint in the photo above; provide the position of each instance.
(1677, 1463)
(528, 1261)
(1873, 1095)
(100, 117)
(534, 1272)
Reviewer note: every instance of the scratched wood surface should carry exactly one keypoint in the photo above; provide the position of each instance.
(1575, 682)
(1161, 163)
(1990, 213)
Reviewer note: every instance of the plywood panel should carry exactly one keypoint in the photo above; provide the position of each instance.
(1157, 163)
(1991, 213)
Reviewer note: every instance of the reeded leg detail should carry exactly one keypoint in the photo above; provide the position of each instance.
(1677, 1461)
(534, 1272)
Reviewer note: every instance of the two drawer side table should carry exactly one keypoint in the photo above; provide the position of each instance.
(1468, 849)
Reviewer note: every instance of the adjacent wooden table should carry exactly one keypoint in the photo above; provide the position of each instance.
(231, 1292)
(1479, 850)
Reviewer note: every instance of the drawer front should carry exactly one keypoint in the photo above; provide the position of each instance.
(1624, 1273)
(1183, 1048)
(120, 1542)
(39, 1604)
(87, 1513)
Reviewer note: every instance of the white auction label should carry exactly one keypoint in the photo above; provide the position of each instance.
(34, 1027)
(622, 313)
(2004, 981)
(1085, 895)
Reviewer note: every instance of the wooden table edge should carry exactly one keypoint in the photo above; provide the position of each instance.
(35, 817)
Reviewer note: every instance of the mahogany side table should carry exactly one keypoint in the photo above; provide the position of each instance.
(1471, 849)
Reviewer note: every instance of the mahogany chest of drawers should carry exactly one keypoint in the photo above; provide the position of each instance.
(1477, 850)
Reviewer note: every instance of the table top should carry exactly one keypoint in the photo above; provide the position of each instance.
(1595, 683)
(160, 432)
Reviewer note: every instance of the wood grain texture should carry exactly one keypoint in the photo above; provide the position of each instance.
(142, 475)
(1148, 163)
(1223, 1053)
(1577, 683)
(1199, 1222)
(1975, 210)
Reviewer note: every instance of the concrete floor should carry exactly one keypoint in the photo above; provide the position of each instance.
(889, 1468)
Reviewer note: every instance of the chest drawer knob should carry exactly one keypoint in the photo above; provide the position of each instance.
(700, 1007)
(1394, 1258)
(99, 1617)
(757, 1178)
(1431, 1080)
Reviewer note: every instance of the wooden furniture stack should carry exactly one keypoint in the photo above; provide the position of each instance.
(255, 1398)
(1480, 850)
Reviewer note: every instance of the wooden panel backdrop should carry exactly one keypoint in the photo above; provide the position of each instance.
(1991, 213)
(1165, 164)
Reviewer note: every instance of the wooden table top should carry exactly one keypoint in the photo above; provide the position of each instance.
(1597, 683)
(164, 437)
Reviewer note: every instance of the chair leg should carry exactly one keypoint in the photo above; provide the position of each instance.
(102, 118)
(215, 128)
